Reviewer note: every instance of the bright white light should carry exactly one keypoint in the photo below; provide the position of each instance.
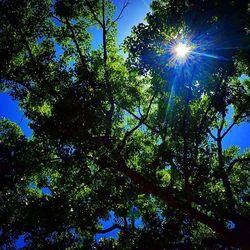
(181, 50)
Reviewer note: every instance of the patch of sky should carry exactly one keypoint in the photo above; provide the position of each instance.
(143, 128)
(59, 50)
(9, 109)
(127, 117)
(70, 149)
(107, 224)
(244, 77)
(159, 141)
(160, 215)
(52, 237)
(71, 65)
(49, 180)
(125, 23)
(96, 34)
(73, 231)
(40, 39)
(22, 241)
(238, 134)
(139, 223)
(135, 217)
(138, 112)
(167, 167)
(230, 225)
(44, 190)
(56, 22)
(32, 185)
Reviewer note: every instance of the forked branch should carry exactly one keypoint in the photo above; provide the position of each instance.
(130, 132)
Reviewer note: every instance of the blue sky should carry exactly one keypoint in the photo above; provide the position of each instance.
(134, 14)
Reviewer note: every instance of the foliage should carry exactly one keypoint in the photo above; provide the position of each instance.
(115, 134)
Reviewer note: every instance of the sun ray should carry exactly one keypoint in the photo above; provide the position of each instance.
(210, 55)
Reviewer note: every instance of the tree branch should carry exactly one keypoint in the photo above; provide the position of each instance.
(93, 13)
(167, 195)
(231, 165)
(234, 123)
(125, 4)
(104, 231)
(138, 118)
(222, 123)
(73, 36)
(204, 117)
(210, 133)
(130, 132)
(74, 39)
(224, 176)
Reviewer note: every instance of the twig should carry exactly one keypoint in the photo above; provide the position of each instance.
(138, 118)
(128, 133)
(231, 126)
(125, 4)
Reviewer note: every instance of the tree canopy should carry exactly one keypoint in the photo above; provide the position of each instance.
(125, 129)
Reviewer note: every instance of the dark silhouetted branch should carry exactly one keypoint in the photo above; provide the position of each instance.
(231, 165)
(104, 231)
(232, 125)
(210, 133)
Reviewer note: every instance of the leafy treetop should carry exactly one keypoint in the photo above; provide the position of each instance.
(141, 136)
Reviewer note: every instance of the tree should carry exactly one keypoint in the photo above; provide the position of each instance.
(140, 137)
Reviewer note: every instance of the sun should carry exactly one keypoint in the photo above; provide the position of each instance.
(181, 50)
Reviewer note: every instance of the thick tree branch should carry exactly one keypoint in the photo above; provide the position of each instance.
(166, 195)
(169, 195)
(104, 231)
(224, 176)
(110, 112)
